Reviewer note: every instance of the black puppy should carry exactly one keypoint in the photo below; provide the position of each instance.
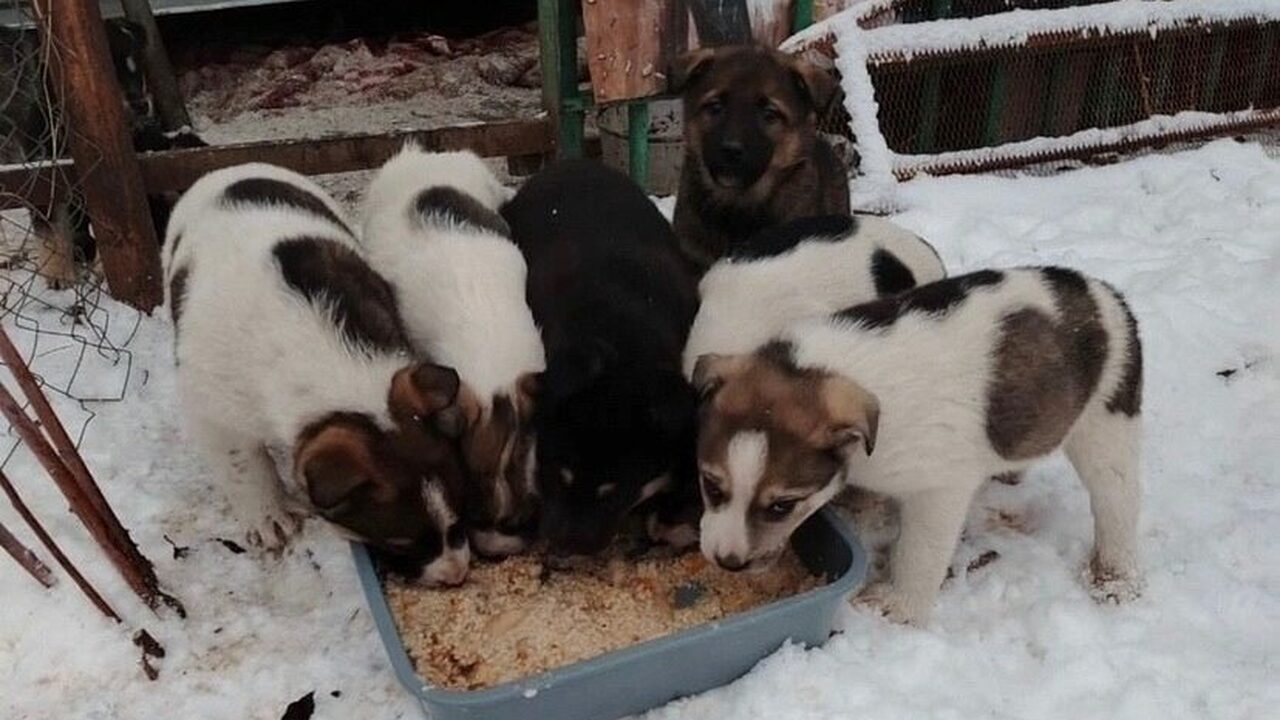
(614, 416)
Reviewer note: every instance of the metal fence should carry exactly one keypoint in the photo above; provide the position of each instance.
(54, 306)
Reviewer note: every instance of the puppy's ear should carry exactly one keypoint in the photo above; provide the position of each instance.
(712, 371)
(428, 394)
(689, 67)
(852, 415)
(815, 83)
(335, 464)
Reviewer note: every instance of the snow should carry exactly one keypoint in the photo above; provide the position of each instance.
(1183, 123)
(1191, 238)
(1014, 27)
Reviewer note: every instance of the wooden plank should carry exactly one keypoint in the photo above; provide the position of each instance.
(175, 170)
(158, 69)
(110, 180)
(625, 48)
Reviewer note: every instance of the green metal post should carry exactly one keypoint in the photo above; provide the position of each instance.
(1214, 73)
(1263, 69)
(997, 102)
(1110, 86)
(638, 142)
(1164, 71)
(558, 47)
(931, 94)
(1049, 125)
(801, 15)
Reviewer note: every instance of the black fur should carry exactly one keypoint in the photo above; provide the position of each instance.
(266, 191)
(328, 273)
(615, 302)
(889, 274)
(936, 298)
(450, 205)
(178, 295)
(778, 239)
(1127, 397)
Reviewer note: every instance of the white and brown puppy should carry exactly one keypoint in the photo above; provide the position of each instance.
(800, 269)
(287, 343)
(431, 228)
(923, 396)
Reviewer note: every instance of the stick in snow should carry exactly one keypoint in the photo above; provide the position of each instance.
(58, 555)
(27, 559)
(73, 478)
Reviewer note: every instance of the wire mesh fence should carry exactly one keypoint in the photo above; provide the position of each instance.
(1056, 85)
(52, 300)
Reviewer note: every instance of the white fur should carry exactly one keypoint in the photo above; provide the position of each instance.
(257, 363)
(932, 452)
(461, 289)
(724, 529)
(747, 302)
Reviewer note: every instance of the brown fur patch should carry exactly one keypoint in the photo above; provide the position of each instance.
(802, 175)
(1045, 372)
(1126, 399)
(178, 295)
(331, 275)
(271, 192)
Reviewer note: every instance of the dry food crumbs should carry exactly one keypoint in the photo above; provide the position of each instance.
(514, 618)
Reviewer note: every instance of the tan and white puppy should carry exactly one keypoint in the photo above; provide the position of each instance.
(923, 397)
(800, 269)
(431, 228)
(287, 344)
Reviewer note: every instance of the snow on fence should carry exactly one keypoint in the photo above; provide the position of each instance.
(997, 90)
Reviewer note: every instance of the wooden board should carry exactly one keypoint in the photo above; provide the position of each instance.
(631, 44)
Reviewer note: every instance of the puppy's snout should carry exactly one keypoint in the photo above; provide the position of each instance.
(732, 150)
(732, 563)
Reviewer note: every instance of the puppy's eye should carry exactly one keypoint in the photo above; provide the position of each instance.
(771, 114)
(780, 509)
(713, 107)
(566, 477)
(606, 490)
(711, 490)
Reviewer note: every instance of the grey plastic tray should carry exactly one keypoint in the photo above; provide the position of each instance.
(639, 677)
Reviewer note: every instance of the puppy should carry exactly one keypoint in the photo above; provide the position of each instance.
(286, 342)
(800, 269)
(753, 157)
(431, 228)
(922, 397)
(615, 416)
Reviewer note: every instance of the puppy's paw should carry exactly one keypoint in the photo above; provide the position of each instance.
(272, 532)
(893, 605)
(679, 536)
(1108, 583)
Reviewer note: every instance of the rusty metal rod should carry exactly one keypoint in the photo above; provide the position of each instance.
(26, 559)
(98, 526)
(43, 536)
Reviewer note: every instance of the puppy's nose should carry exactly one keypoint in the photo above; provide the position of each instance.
(731, 149)
(732, 563)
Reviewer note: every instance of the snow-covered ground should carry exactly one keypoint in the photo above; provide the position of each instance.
(1193, 239)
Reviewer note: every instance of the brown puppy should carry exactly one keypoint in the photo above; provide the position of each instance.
(753, 157)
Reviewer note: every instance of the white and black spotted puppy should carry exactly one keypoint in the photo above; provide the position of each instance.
(288, 344)
(800, 269)
(923, 397)
(431, 228)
